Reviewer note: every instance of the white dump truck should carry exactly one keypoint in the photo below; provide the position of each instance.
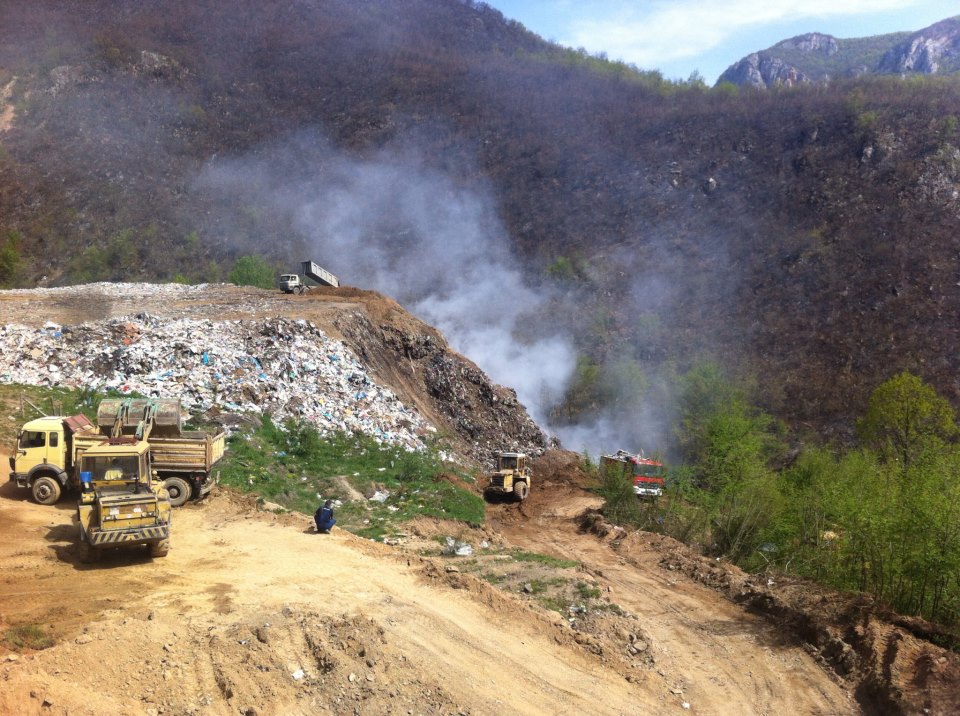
(293, 283)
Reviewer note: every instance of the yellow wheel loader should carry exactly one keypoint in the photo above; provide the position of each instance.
(512, 477)
(120, 505)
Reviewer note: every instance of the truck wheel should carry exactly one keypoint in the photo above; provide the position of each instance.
(46, 490)
(160, 549)
(178, 489)
(520, 490)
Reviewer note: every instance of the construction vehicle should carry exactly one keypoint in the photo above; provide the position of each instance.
(48, 448)
(292, 283)
(645, 474)
(120, 505)
(182, 459)
(512, 476)
(46, 454)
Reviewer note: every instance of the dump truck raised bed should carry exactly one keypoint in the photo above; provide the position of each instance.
(120, 505)
(645, 474)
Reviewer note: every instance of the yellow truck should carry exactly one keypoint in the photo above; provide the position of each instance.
(183, 459)
(48, 449)
(120, 505)
(47, 452)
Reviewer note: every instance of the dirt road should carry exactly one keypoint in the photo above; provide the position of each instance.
(254, 613)
(724, 660)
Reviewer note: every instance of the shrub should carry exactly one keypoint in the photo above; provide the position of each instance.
(252, 271)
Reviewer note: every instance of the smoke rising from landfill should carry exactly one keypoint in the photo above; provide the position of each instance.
(394, 224)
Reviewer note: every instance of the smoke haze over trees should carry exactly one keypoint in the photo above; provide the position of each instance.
(634, 226)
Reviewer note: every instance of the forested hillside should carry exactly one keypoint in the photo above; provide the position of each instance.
(804, 238)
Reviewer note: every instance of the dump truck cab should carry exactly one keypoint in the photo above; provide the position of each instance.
(44, 454)
(120, 506)
(290, 283)
(512, 476)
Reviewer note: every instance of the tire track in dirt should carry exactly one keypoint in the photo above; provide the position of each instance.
(722, 659)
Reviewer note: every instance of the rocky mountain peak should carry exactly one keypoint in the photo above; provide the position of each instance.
(929, 51)
(812, 42)
(817, 57)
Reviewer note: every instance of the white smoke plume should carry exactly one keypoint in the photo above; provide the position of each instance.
(393, 223)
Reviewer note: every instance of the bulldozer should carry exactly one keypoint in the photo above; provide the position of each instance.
(120, 505)
(512, 476)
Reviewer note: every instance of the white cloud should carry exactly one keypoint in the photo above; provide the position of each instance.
(651, 33)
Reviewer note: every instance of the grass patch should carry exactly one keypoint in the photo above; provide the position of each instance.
(585, 591)
(545, 559)
(556, 603)
(296, 467)
(27, 636)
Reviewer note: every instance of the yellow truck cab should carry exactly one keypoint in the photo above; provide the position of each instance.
(46, 451)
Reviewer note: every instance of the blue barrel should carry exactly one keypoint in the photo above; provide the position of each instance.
(86, 477)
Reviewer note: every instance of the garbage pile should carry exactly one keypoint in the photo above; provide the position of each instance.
(288, 368)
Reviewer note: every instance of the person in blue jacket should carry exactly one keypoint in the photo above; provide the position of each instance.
(324, 517)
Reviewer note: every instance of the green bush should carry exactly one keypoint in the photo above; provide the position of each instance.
(253, 271)
(9, 258)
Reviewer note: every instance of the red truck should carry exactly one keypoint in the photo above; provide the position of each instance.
(645, 474)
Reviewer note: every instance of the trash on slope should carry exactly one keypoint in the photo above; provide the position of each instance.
(287, 368)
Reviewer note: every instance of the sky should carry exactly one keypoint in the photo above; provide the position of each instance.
(679, 37)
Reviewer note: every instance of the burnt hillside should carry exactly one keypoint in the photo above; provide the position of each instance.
(803, 236)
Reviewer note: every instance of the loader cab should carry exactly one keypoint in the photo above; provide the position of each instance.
(118, 465)
(511, 461)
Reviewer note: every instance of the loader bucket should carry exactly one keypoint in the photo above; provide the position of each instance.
(167, 423)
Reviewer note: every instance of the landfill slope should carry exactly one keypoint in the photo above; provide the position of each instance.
(343, 359)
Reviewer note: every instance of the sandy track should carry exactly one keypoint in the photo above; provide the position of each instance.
(230, 570)
(724, 660)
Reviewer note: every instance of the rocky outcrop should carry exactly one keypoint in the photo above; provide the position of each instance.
(768, 68)
(932, 50)
(762, 71)
(811, 42)
(816, 57)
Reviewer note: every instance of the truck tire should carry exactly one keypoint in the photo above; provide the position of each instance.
(521, 490)
(45, 490)
(178, 489)
(161, 548)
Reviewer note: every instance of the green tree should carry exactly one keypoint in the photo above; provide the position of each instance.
(9, 258)
(252, 271)
(905, 418)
